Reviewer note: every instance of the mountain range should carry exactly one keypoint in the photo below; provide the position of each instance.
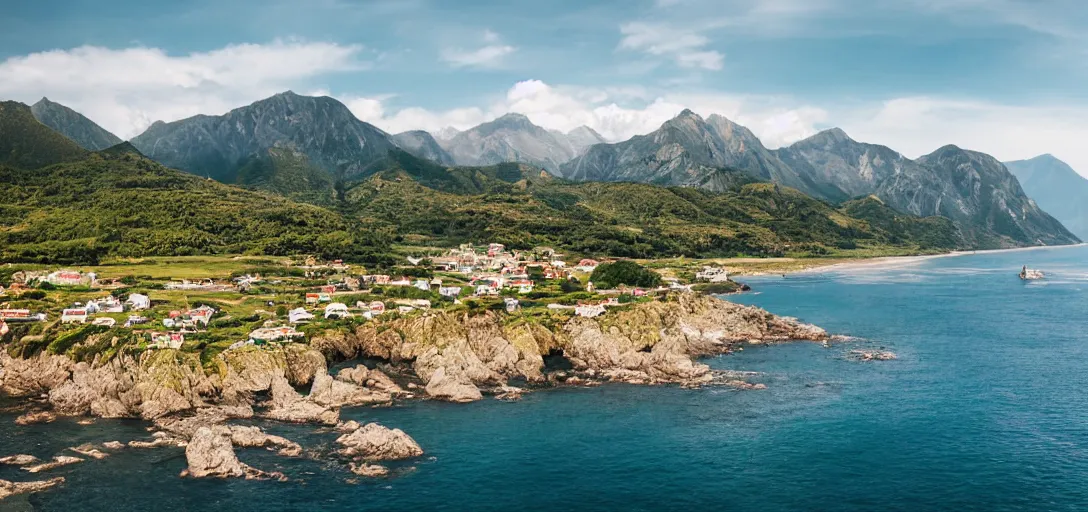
(1057, 188)
(313, 149)
(64, 204)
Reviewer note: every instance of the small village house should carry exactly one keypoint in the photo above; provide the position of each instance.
(139, 302)
(337, 310)
(74, 316)
(299, 315)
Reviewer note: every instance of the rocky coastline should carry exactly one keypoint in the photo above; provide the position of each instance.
(441, 356)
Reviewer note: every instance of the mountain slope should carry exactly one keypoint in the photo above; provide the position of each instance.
(321, 128)
(582, 138)
(510, 138)
(985, 200)
(117, 203)
(523, 206)
(683, 152)
(73, 125)
(1057, 188)
(27, 143)
(423, 145)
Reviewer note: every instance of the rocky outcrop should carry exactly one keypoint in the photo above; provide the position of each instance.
(374, 442)
(871, 355)
(371, 378)
(58, 461)
(88, 450)
(452, 388)
(9, 489)
(254, 437)
(19, 460)
(330, 392)
(36, 418)
(210, 453)
(369, 470)
(34, 375)
(287, 405)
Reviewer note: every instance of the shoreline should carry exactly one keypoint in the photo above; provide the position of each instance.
(901, 261)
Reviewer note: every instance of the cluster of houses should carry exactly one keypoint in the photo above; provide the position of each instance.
(80, 313)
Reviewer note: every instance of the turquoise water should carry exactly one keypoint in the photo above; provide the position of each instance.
(986, 409)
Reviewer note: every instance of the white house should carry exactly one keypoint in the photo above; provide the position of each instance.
(337, 310)
(139, 302)
(512, 304)
(300, 315)
(449, 291)
(422, 284)
(104, 321)
(713, 274)
(74, 316)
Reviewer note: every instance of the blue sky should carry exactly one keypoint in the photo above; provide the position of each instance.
(1002, 76)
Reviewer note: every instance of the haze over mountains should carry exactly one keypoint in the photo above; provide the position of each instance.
(308, 147)
(1057, 188)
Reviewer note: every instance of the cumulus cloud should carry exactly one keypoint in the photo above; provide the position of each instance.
(616, 113)
(918, 125)
(684, 46)
(491, 54)
(125, 90)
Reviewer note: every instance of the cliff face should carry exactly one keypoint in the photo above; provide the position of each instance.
(453, 355)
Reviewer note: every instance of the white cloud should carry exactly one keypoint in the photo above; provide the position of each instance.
(918, 125)
(125, 90)
(491, 54)
(685, 46)
(913, 125)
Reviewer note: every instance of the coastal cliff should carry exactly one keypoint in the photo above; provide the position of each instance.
(457, 357)
(453, 356)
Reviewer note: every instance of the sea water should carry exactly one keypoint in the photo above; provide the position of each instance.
(985, 409)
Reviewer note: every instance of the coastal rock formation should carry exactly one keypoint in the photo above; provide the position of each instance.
(287, 405)
(375, 442)
(871, 355)
(331, 392)
(58, 461)
(369, 470)
(373, 379)
(19, 460)
(9, 489)
(210, 454)
(88, 450)
(33, 376)
(253, 437)
(452, 388)
(36, 418)
(159, 439)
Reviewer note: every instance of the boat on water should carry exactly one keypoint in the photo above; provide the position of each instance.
(1030, 274)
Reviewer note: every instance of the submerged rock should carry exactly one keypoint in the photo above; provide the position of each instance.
(88, 450)
(871, 355)
(375, 442)
(57, 462)
(369, 470)
(9, 489)
(158, 440)
(210, 453)
(113, 445)
(36, 418)
(19, 460)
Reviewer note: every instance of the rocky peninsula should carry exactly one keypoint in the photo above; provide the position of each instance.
(438, 355)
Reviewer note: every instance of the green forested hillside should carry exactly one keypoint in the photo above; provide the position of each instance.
(29, 144)
(118, 203)
(523, 207)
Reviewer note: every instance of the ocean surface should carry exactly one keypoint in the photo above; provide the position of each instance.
(986, 409)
